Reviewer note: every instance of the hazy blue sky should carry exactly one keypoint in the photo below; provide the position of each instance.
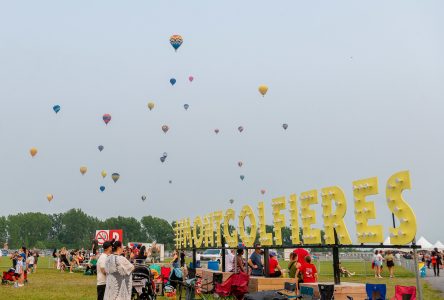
(360, 84)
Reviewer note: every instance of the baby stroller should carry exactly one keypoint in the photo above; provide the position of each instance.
(9, 276)
(144, 287)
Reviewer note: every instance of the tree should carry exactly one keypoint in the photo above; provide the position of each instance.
(28, 229)
(158, 230)
(78, 229)
(3, 231)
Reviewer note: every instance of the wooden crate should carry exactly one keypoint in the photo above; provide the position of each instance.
(207, 279)
(355, 290)
(257, 284)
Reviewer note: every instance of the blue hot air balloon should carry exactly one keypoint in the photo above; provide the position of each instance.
(242, 177)
(173, 81)
(56, 108)
(186, 106)
(101, 148)
(102, 188)
(162, 159)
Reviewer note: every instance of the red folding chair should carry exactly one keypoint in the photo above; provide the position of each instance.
(405, 292)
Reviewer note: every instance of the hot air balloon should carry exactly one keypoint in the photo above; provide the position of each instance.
(173, 81)
(33, 151)
(240, 128)
(231, 201)
(100, 148)
(162, 159)
(175, 41)
(56, 108)
(191, 78)
(104, 173)
(165, 128)
(50, 197)
(102, 188)
(83, 170)
(263, 192)
(263, 89)
(285, 126)
(216, 131)
(170, 182)
(186, 106)
(240, 164)
(106, 118)
(165, 154)
(115, 177)
(242, 177)
(150, 105)
(143, 198)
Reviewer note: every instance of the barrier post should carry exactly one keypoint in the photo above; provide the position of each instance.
(266, 262)
(336, 273)
(415, 265)
(223, 253)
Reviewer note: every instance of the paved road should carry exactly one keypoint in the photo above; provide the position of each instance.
(436, 282)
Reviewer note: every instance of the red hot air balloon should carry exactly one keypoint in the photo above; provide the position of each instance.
(263, 191)
(106, 118)
(191, 78)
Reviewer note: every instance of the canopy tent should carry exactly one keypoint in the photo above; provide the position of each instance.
(387, 241)
(439, 245)
(425, 244)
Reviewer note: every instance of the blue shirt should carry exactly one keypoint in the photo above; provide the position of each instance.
(256, 260)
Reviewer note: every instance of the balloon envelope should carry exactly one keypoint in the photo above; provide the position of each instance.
(216, 131)
(165, 128)
(151, 105)
(240, 128)
(50, 197)
(101, 148)
(240, 164)
(115, 176)
(263, 192)
(33, 151)
(263, 89)
(242, 177)
(165, 154)
(191, 78)
(56, 108)
(162, 159)
(102, 188)
(231, 201)
(285, 126)
(143, 198)
(106, 118)
(104, 173)
(173, 81)
(186, 106)
(176, 41)
(83, 170)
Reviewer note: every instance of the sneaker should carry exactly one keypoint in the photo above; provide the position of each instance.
(20, 285)
(15, 284)
(379, 276)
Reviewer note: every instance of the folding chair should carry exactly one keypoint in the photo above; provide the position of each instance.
(326, 291)
(405, 292)
(289, 290)
(376, 291)
(307, 293)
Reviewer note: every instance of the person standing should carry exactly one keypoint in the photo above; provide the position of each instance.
(101, 273)
(229, 260)
(239, 263)
(436, 262)
(182, 258)
(19, 272)
(255, 262)
(118, 275)
(377, 259)
(36, 260)
(390, 261)
(308, 270)
(175, 261)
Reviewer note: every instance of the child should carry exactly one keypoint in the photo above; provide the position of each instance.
(19, 272)
(308, 270)
(30, 263)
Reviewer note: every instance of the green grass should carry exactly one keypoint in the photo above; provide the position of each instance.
(48, 283)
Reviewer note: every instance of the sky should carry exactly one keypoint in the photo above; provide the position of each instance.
(359, 83)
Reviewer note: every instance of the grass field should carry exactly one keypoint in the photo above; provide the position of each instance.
(48, 284)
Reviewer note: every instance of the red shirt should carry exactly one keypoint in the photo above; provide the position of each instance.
(302, 253)
(308, 272)
(272, 264)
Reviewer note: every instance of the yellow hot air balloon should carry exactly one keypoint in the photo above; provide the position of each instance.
(83, 170)
(49, 197)
(104, 173)
(263, 89)
(150, 105)
(33, 151)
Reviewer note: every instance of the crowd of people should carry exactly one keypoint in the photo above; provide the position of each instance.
(24, 262)
(300, 265)
(433, 260)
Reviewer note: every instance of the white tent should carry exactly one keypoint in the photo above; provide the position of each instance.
(387, 241)
(438, 245)
(425, 244)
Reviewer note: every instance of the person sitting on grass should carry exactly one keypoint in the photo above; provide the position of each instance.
(308, 270)
(275, 269)
(344, 272)
(91, 267)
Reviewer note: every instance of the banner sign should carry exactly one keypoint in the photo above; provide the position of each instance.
(108, 235)
(206, 231)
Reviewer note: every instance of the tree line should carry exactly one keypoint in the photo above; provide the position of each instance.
(75, 229)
